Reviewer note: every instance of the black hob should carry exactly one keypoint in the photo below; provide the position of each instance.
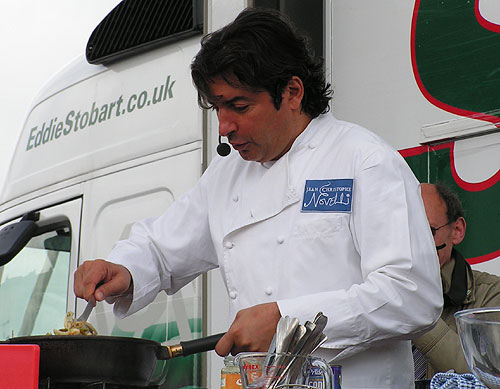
(46, 383)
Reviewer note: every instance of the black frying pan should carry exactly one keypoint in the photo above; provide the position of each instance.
(109, 359)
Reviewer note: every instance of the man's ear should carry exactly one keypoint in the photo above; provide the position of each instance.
(458, 230)
(294, 92)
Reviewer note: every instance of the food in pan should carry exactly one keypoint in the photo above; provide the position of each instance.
(75, 327)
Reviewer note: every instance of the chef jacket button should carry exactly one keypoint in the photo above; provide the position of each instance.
(233, 294)
(280, 239)
(269, 291)
(312, 145)
(235, 198)
(228, 245)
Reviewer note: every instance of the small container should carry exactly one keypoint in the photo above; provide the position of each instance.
(337, 376)
(230, 374)
(316, 380)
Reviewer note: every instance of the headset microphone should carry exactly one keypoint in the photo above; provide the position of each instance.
(440, 247)
(223, 149)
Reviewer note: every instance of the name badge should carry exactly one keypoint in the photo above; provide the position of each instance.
(328, 195)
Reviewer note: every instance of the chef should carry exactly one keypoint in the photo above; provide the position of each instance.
(310, 214)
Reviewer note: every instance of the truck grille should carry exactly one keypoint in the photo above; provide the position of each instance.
(134, 26)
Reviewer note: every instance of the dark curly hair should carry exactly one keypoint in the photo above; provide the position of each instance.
(264, 51)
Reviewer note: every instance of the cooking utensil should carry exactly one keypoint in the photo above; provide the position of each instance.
(304, 340)
(315, 336)
(86, 312)
(108, 359)
(298, 339)
(271, 351)
(304, 348)
(309, 327)
(479, 331)
(308, 341)
(292, 369)
(322, 339)
(285, 331)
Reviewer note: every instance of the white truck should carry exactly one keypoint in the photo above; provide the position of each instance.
(109, 143)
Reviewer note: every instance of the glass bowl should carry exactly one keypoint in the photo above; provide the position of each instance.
(479, 332)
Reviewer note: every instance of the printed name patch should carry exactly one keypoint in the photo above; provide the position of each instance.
(328, 195)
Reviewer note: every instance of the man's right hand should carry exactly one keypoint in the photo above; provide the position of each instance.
(102, 279)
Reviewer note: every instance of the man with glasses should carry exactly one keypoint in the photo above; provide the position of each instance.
(463, 288)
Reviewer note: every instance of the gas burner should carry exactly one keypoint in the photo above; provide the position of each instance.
(47, 384)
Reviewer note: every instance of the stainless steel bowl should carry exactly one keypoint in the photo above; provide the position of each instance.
(479, 331)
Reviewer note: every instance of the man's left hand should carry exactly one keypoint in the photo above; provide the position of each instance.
(252, 330)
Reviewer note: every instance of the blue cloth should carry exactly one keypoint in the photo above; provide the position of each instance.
(456, 381)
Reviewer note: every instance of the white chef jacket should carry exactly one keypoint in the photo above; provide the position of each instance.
(372, 268)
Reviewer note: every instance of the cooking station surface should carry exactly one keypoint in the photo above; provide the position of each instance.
(46, 383)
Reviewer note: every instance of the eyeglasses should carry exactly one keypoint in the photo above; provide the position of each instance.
(435, 229)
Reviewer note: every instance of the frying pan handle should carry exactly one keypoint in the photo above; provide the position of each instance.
(200, 345)
(188, 347)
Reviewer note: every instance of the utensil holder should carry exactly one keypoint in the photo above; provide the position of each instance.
(284, 370)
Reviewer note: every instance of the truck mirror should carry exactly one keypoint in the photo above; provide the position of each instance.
(14, 237)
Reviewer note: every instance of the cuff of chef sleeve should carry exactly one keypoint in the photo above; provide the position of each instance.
(290, 308)
(121, 305)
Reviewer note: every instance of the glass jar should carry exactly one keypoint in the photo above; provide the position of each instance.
(230, 374)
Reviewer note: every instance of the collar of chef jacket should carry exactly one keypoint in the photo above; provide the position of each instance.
(275, 189)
